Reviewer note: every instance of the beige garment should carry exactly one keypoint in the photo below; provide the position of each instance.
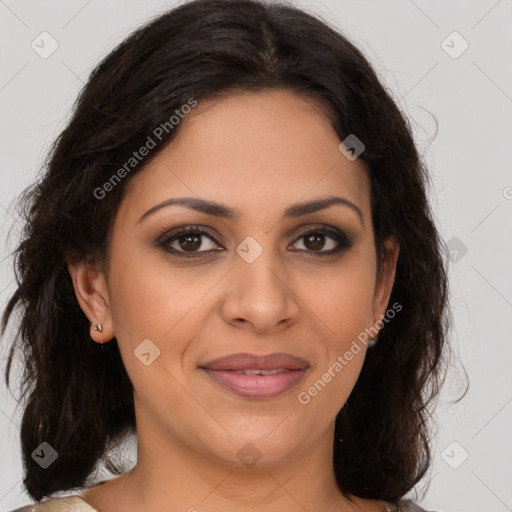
(68, 504)
(77, 504)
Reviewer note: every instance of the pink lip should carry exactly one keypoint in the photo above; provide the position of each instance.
(243, 361)
(226, 371)
(256, 386)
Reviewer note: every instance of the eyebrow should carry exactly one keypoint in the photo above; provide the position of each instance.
(222, 211)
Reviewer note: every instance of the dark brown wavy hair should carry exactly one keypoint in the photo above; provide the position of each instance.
(76, 394)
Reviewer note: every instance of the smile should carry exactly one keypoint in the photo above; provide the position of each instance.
(256, 383)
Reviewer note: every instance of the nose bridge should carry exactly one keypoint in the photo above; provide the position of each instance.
(260, 296)
(261, 277)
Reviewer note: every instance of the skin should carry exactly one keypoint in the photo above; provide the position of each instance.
(259, 153)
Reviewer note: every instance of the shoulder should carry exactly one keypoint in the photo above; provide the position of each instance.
(69, 504)
(409, 506)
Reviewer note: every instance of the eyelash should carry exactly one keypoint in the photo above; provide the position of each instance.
(344, 242)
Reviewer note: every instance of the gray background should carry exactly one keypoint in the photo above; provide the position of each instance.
(470, 160)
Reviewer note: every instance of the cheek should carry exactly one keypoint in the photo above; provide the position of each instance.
(149, 298)
(346, 306)
(149, 302)
(344, 301)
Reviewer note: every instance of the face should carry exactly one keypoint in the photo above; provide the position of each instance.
(261, 274)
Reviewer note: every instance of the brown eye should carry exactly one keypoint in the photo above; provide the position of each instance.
(323, 242)
(188, 241)
(315, 242)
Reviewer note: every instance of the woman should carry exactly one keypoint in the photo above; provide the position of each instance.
(232, 256)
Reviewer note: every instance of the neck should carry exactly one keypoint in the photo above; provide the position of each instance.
(172, 475)
(186, 480)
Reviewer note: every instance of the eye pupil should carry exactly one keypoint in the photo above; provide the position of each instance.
(317, 240)
(189, 239)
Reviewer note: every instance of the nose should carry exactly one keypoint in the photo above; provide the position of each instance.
(260, 297)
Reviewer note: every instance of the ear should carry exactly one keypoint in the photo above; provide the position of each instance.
(91, 292)
(385, 280)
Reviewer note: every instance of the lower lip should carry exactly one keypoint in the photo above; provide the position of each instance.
(256, 386)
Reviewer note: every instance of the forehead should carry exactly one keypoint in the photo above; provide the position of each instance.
(257, 151)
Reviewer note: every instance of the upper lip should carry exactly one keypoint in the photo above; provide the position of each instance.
(244, 361)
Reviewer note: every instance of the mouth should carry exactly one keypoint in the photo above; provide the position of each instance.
(254, 376)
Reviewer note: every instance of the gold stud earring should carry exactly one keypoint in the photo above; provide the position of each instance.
(98, 327)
